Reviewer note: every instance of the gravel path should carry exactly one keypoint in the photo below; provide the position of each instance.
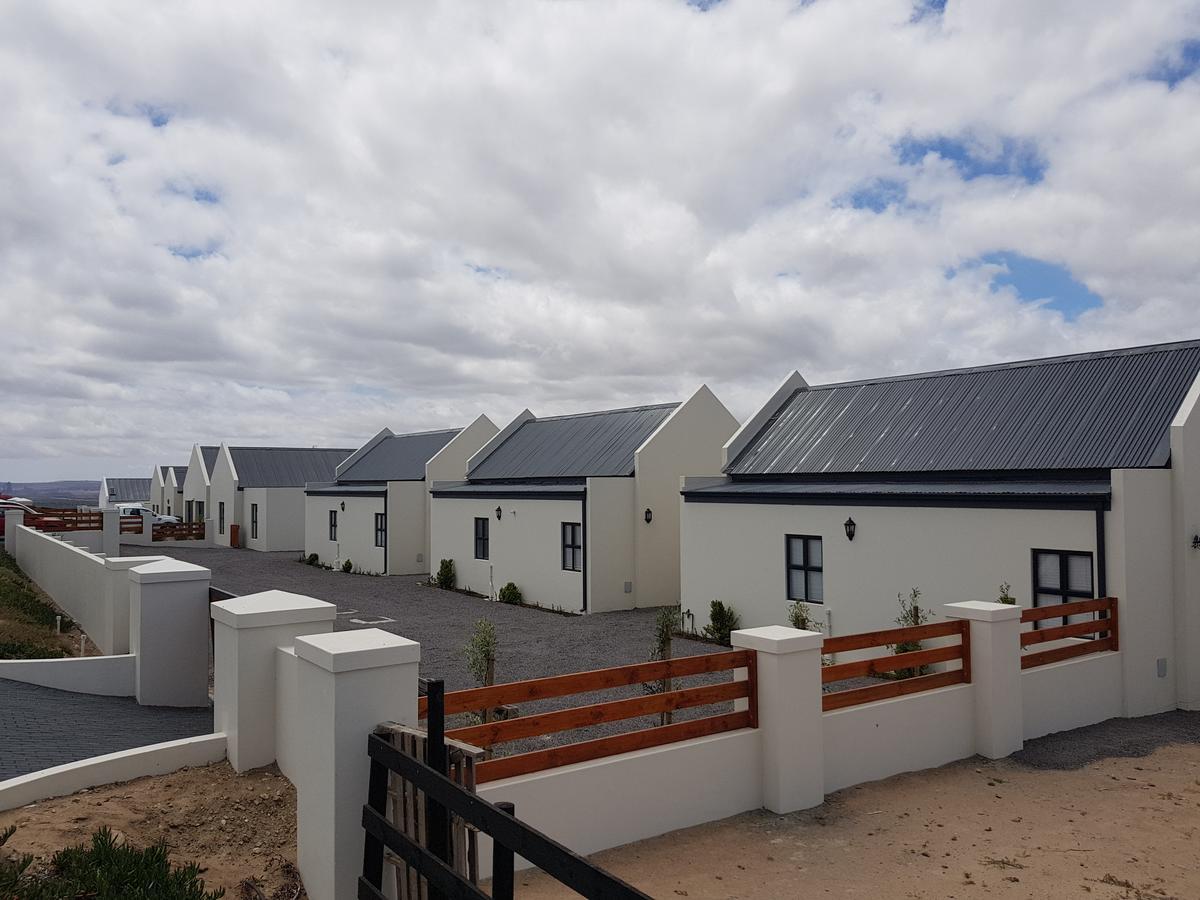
(42, 727)
(1114, 738)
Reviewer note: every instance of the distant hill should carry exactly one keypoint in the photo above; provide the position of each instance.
(59, 494)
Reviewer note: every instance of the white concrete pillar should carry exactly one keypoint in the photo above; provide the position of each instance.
(168, 631)
(247, 632)
(348, 682)
(12, 518)
(995, 674)
(116, 597)
(210, 532)
(789, 714)
(110, 537)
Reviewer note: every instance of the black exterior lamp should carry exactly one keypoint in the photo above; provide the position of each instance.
(1196, 541)
(649, 515)
(499, 512)
(343, 506)
(850, 527)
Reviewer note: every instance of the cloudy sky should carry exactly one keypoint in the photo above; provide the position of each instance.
(296, 223)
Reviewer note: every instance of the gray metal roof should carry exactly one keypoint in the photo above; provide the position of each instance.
(333, 489)
(573, 488)
(577, 446)
(180, 473)
(817, 490)
(209, 455)
(265, 467)
(401, 457)
(126, 489)
(1090, 411)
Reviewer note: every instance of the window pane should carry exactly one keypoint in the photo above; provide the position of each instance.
(1079, 572)
(1047, 599)
(814, 553)
(1047, 570)
(796, 584)
(816, 586)
(796, 551)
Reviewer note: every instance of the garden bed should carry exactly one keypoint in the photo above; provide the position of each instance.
(28, 619)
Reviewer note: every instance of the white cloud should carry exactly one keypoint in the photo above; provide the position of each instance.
(423, 211)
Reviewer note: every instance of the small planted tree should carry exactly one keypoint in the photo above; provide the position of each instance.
(1006, 597)
(510, 593)
(800, 616)
(480, 652)
(664, 627)
(447, 577)
(722, 621)
(347, 566)
(911, 615)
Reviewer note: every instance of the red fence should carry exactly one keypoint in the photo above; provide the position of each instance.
(1104, 625)
(543, 723)
(182, 531)
(131, 524)
(62, 520)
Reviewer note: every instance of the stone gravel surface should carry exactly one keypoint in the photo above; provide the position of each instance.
(1114, 738)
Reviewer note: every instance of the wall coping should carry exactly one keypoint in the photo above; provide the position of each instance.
(777, 639)
(168, 569)
(268, 608)
(129, 562)
(347, 651)
(983, 611)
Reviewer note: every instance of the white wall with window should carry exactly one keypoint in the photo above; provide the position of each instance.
(273, 519)
(341, 527)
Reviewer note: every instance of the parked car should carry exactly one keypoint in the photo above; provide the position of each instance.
(136, 509)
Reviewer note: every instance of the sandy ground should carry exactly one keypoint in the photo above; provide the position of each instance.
(1116, 828)
(236, 826)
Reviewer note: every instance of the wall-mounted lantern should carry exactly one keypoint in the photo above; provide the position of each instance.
(499, 512)
(649, 515)
(343, 506)
(1196, 541)
(850, 527)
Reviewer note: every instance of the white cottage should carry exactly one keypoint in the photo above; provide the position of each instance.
(376, 513)
(257, 493)
(581, 511)
(166, 490)
(1064, 478)
(116, 491)
(197, 481)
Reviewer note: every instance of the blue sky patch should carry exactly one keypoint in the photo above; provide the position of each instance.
(1181, 63)
(156, 115)
(191, 251)
(1038, 281)
(925, 8)
(204, 195)
(494, 273)
(876, 195)
(1013, 156)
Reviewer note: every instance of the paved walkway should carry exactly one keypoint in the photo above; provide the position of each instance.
(42, 727)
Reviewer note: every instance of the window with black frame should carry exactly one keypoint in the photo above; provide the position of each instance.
(254, 521)
(380, 529)
(572, 546)
(333, 524)
(1062, 576)
(805, 569)
(481, 538)
(221, 517)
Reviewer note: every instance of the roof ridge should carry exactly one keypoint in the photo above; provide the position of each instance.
(408, 434)
(604, 412)
(1014, 364)
(330, 449)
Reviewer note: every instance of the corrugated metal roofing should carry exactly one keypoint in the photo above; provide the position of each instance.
(401, 457)
(209, 455)
(569, 488)
(332, 489)
(262, 467)
(1091, 411)
(999, 488)
(180, 473)
(577, 446)
(127, 489)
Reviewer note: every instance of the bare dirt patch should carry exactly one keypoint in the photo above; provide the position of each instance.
(237, 827)
(1115, 828)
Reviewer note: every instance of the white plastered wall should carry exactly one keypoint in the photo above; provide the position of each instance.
(356, 531)
(158, 494)
(610, 533)
(1185, 484)
(525, 547)
(735, 552)
(196, 484)
(223, 488)
(408, 528)
(281, 518)
(689, 442)
(450, 464)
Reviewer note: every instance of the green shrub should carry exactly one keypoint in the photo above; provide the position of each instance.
(312, 559)
(510, 593)
(911, 615)
(665, 623)
(800, 616)
(447, 577)
(1005, 597)
(347, 567)
(480, 652)
(722, 620)
(104, 871)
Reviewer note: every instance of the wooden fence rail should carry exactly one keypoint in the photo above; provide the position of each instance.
(1106, 626)
(892, 662)
(131, 524)
(63, 520)
(489, 734)
(181, 531)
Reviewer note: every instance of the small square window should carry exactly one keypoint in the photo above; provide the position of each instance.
(805, 568)
(572, 546)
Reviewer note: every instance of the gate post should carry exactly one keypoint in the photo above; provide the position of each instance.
(110, 535)
(168, 632)
(995, 675)
(789, 715)
(350, 681)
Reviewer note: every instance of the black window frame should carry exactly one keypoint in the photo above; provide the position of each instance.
(571, 539)
(380, 529)
(199, 510)
(221, 517)
(333, 525)
(803, 566)
(483, 540)
(1064, 593)
(254, 521)
(188, 511)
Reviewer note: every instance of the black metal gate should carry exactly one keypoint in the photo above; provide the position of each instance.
(444, 798)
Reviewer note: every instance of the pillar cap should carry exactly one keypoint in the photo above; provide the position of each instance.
(168, 569)
(272, 608)
(129, 562)
(366, 648)
(983, 611)
(777, 639)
